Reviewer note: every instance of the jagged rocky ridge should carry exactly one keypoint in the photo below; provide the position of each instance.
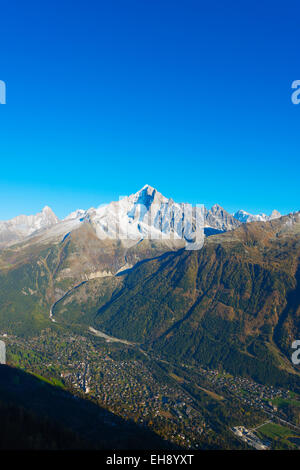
(146, 214)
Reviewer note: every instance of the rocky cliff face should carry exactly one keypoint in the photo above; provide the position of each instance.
(220, 219)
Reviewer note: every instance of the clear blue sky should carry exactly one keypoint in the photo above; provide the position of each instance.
(192, 97)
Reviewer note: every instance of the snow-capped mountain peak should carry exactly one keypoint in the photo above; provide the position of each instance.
(144, 214)
(147, 196)
(246, 217)
(78, 214)
(148, 188)
(22, 226)
(274, 215)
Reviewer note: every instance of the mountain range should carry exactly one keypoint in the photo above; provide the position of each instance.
(143, 215)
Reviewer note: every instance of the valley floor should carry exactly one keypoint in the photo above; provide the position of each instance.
(191, 407)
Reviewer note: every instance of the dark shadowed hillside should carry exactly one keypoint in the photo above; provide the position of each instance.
(37, 415)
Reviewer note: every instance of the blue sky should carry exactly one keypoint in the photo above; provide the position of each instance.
(191, 97)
